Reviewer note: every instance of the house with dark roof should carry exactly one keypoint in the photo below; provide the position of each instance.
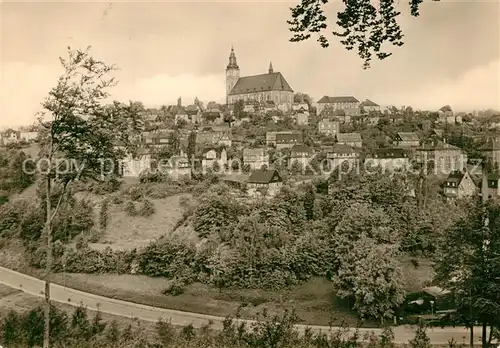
(301, 154)
(445, 115)
(407, 140)
(351, 139)
(369, 106)
(342, 155)
(388, 159)
(265, 183)
(271, 86)
(336, 103)
(284, 140)
(271, 136)
(459, 184)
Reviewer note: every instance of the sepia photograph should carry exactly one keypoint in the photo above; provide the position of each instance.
(250, 174)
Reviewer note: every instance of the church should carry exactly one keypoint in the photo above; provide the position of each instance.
(270, 87)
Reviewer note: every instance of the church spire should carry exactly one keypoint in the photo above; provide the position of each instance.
(232, 60)
(271, 67)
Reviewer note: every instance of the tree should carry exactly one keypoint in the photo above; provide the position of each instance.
(362, 25)
(238, 108)
(421, 340)
(191, 147)
(300, 97)
(370, 275)
(81, 131)
(309, 197)
(469, 266)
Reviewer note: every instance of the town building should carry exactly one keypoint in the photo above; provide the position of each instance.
(336, 103)
(9, 136)
(132, 167)
(369, 106)
(329, 126)
(28, 136)
(445, 115)
(255, 158)
(459, 184)
(264, 183)
(388, 159)
(301, 154)
(343, 155)
(271, 136)
(213, 156)
(444, 158)
(351, 139)
(271, 86)
(407, 140)
(284, 141)
(177, 168)
(301, 118)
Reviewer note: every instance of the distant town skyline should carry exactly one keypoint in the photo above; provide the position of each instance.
(167, 50)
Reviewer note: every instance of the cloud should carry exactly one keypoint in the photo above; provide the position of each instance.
(477, 88)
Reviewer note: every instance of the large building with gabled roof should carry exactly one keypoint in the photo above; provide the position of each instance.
(271, 86)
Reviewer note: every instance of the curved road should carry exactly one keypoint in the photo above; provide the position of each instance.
(61, 294)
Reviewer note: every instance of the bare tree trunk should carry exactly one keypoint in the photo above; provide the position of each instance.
(491, 335)
(484, 340)
(48, 230)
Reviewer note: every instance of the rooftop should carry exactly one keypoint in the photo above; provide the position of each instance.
(334, 100)
(264, 176)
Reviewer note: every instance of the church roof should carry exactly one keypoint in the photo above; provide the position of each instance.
(261, 83)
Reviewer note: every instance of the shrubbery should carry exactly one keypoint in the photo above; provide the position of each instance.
(81, 330)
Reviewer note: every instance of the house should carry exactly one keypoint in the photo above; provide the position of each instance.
(212, 116)
(28, 136)
(9, 136)
(271, 137)
(407, 140)
(338, 115)
(301, 118)
(336, 103)
(343, 155)
(177, 167)
(268, 106)
(459, 185)
(288, 140)
(328, 126)
(388, 159)
(491, 151)
(494, 122)
(212, 156)
(266, 183)
(132, 167)
(443, 157)
(181, 114)
(251, 106)
(255, 158)
(369, 106)
(301, 154)
(300, 107)
(351, 139)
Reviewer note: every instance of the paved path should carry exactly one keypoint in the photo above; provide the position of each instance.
(61, 294)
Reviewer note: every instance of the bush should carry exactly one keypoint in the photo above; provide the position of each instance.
(147, 208)
(130, 208)
(175, 288)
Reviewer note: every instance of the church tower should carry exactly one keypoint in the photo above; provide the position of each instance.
(232, 74)
(271, 68)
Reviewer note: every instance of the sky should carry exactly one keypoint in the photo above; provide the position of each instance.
(168, 49)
